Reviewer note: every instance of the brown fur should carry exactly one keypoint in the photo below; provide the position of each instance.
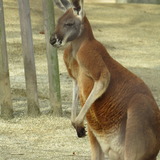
(108, 112)
(126, 106)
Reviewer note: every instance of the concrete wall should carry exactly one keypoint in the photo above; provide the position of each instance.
(139, 1)
(100, 1)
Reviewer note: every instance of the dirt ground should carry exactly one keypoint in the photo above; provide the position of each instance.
(131, 34)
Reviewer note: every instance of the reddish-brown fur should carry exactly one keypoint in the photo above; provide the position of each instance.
(108, 112)
(125, 109)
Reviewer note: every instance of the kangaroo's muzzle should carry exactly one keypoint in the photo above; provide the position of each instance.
(54, 41)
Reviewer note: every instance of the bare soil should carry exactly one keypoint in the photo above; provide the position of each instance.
(131, 34)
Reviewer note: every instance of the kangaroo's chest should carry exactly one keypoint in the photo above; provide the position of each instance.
(73, 68)
(79, 73)
(84, 81)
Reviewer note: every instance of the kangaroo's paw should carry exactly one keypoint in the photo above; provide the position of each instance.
(81, 132)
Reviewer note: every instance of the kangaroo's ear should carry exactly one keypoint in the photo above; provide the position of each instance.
(78, 8)
(63, 4)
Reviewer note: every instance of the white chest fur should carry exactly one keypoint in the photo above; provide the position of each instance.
(110, 144)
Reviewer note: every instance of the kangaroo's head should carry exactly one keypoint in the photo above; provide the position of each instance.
(70, 24)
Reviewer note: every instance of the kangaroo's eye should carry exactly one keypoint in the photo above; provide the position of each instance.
(69, 24)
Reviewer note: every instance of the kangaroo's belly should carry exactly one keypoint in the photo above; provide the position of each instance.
(111, 144)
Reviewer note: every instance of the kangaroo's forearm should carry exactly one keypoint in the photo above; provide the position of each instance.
(98, 89)
(74, 101)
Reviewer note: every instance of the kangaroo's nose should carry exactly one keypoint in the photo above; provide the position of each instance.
(52, 40)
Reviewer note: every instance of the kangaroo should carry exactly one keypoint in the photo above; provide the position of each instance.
(123, 119)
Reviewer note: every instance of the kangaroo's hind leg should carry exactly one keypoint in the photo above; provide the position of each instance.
(141, 139)
(96, 151)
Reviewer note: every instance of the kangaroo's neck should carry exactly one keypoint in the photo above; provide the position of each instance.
(87, 30)
(86, 34)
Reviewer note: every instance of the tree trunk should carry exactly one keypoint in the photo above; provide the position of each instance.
(28, 56)
(53, 68)
(5, 90)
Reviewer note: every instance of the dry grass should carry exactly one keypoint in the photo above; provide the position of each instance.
(131, 35)
(42, 138)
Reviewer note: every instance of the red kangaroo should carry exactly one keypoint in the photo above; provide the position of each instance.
(122, 116)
